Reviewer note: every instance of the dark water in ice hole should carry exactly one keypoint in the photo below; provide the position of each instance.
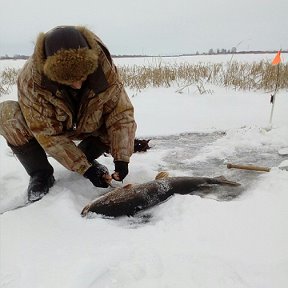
(183, 147)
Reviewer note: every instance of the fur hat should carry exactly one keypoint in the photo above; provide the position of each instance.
(69, 57)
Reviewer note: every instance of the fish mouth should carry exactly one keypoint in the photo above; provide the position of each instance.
(85, 210)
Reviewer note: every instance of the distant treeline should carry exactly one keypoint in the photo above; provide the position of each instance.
(210, 52)
(15, 57)
(24, 57)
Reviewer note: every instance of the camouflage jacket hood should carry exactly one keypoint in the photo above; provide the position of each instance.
(104, 110)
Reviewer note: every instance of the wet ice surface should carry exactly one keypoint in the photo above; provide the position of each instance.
(186, 155)
(183, 153)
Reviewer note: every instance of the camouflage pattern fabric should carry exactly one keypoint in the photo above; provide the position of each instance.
(48, 115)
(13, 125)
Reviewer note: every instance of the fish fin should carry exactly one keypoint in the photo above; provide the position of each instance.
(224, 181)
(128, 186)
(162, 175)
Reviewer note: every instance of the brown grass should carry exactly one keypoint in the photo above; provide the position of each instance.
(240, 76)
(8, 78)
(237, 75)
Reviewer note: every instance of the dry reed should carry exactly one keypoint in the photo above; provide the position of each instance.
(240, 76)
(237, 75)
(8, 78)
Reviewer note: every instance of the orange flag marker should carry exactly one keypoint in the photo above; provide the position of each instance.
(277, 59)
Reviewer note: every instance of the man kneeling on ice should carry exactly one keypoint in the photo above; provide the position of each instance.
(69, 89)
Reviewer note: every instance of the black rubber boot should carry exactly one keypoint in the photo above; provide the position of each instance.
(33, 158)
(93, 148)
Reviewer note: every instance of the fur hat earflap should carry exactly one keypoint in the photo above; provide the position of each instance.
(69, 57)
(68, 66)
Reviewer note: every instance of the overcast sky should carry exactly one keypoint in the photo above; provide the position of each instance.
(157, 27)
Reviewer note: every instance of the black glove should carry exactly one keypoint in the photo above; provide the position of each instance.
(121, 168)
(95, 174)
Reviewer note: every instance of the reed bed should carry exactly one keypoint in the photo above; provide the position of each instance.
(237, 75)
(240, 76)
(8, 78)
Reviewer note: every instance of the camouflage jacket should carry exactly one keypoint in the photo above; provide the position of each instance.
(105, 109)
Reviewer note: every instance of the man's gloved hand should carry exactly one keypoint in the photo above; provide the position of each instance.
(121, 170)
(96, 174)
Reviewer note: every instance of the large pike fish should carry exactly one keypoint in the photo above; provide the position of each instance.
(130, 199)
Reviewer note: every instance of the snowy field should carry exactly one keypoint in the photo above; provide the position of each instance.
(148, 61)
(231, 239)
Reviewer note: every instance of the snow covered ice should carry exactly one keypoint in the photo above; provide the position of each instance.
(235, 238)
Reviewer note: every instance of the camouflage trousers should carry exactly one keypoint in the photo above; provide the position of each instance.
(13, 126)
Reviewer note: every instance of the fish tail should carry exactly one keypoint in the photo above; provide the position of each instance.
(223, 181)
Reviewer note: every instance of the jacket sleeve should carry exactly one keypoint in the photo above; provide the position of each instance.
(120, 123)
(47, 130)
(118, 111)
